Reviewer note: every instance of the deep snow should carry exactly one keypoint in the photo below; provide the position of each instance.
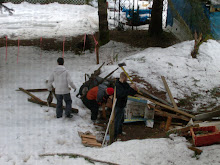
(28, 130)
(48, 21)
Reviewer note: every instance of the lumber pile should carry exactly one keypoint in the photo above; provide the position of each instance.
(89, 140)
(164, 109)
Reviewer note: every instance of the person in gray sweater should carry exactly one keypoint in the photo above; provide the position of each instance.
(62, 80)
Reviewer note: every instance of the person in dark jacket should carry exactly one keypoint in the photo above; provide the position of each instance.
(95, 97)
(123, 89)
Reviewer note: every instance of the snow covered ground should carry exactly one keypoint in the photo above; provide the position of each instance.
(59, 20)
(28, 130)
(185, 76)
(48, 21)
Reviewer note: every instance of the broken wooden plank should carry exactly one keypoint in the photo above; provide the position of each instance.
(92, 143)
(35, 90)
(145, 93)
(169, 92)
(166, 114)
(182, 131)
(33, 96)
(88, 136)
(196, 150)
(168, 107)
(208, 115)
(51, 105)
(89, 140)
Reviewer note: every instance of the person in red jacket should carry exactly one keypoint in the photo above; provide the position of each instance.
(95, 97)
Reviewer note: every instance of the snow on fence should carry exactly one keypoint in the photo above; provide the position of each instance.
(75, 2)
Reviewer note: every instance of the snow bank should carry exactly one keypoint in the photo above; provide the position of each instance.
(31, 21)
(28, 130)
(184, 74)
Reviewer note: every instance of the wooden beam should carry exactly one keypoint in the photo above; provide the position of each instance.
(33, 96)
(168, 107)
(196, 150)
(168, 123)
(169, 93)
(208, 115)
(88, 136)
(89, 140)
(166, 114)
(145, 93)
(92, 144)
(103, 111)
(110, 120)
(35, 90)
(183, 130)
(51, 105)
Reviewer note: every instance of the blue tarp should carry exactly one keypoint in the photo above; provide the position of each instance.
(142, 14)
(181, 7)
(184, 9)
(215, 24)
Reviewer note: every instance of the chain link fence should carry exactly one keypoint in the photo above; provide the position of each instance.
(121, 13)
(75, 2)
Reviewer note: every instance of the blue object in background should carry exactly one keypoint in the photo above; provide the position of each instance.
(142, 14)
(183, 8)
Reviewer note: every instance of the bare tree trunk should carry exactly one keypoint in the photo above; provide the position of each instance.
(155, 28)
(103, 22)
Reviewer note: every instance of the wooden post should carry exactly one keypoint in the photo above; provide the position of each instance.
(169, 93)
(97, 54)
(112, 121)
(103, 111)
(111, 117)
(168, 123)
(112, 129)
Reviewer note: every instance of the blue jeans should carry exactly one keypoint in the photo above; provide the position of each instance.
(59, 107)
(119, 120)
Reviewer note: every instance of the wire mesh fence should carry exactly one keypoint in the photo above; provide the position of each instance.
(132, 14)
